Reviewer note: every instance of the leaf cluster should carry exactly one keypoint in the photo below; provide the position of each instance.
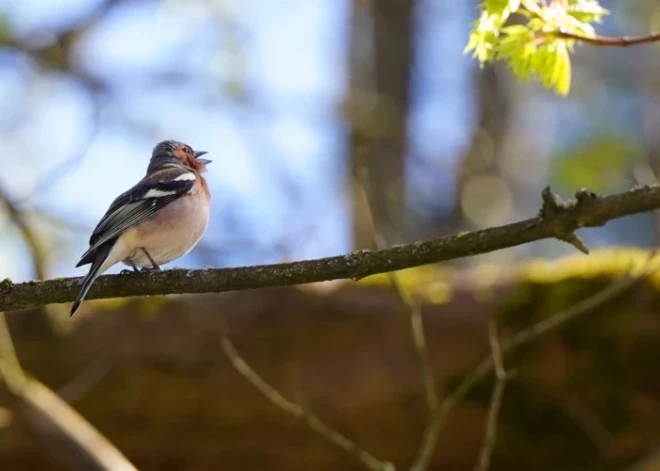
(528, 35)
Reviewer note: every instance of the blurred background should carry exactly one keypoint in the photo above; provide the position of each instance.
(314, 111)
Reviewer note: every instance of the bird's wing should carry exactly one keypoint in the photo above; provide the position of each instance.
(150, 195)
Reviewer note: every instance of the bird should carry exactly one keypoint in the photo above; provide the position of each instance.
(156, 221)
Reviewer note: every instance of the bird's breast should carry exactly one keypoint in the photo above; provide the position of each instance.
(170, 233)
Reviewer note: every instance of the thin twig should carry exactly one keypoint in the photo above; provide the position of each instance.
(413, 308)
(623, 41)
(423, 357)
(96, 451)
(85, 380)
(588, 210)
(496, 350)
(589, 423)
(490, 436)
(614, 289)
(595, 40)
(10, 367)
(17, 216)
(316, 424)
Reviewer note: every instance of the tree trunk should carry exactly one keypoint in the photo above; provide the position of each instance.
(381, 60)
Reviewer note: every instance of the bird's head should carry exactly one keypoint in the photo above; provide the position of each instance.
(175, 152)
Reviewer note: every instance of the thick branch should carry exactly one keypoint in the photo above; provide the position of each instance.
(557, 219)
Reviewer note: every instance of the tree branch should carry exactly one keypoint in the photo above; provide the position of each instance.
(50, 416)
(623, 41)
(412, 305)
(314, 423)
(29, 235)
(557, 219)
(490, 437)
(536, 331)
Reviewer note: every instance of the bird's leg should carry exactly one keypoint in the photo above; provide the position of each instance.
(154, 265)
(126, 271)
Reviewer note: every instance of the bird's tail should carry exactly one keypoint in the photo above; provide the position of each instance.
(94, 271)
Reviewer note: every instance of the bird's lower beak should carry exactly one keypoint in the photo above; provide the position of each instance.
(198, 154)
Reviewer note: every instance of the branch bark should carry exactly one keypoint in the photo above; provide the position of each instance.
(557, 219)
(623, 41)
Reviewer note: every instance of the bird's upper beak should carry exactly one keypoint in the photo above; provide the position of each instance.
(198, 154)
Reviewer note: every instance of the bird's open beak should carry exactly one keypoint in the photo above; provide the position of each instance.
(198, 154)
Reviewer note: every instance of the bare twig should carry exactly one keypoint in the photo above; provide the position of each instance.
(589, 423)
(496, 350)
(623, 41)
(439, 419)
(320, 427)
(596, 40)
(614, 289)
(17, 216)
(413, 307)
(588, 210)
(419, 341)
(85, 380)
(490, 436)
(10, 367)
(46, 409)
(84, 443)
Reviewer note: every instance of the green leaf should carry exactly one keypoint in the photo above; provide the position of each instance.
(501, 7)
(586, 11)
(486, 30)
(561, 75)
(484, 35)
(517, 47)
(534, 48)
(495, 7)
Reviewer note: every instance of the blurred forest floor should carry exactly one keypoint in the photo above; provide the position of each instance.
(150, 373)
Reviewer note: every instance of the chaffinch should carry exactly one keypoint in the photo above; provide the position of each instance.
(158, 220)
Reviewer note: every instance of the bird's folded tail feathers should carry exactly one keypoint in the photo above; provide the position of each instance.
(101, 253)
(87, 257)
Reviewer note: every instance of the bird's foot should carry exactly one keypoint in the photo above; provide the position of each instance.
(126, 271)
